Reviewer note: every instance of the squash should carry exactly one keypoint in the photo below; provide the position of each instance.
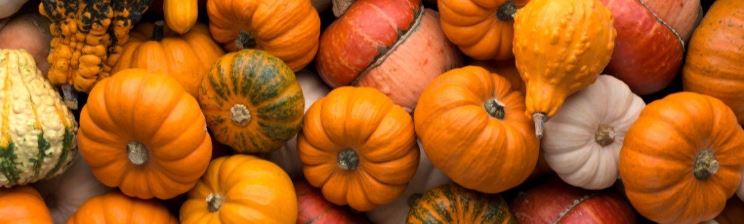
(287, 29)
(180, 15)
(582, 142)
(115, 208)
(732, 214)
(471, 110)
(187, 57)
(682, 158)
(358, 147)
(398, 58)
(682, 15)
(37, 140)
(252, 101)
(65, 193)
(506, 69)
(313, 208)
(143, 133)
(23, 204)
(29, 32)
(9, 7)
(241, 189)
(713, 68)
(559, 49)
(481, 29)
(450, 204)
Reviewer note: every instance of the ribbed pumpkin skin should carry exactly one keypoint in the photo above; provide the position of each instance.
(560, 47)
(37, 140)
(265, 87)
(115, 208)
(454, 204)
(451, 118)
(180, 15)
(660, 155)
(23, 204)
(287, 29)
(506, 69)
(712, 67)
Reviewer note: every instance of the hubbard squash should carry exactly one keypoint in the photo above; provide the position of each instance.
(454, 204)
(682, 15)
(180, 15)
(30, 32)
(23, 204)
(682, 158)
(115, 208)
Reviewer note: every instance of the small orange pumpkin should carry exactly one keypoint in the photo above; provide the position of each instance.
(115, 208)
(23, 204)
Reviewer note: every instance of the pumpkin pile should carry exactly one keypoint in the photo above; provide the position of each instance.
(371, 111)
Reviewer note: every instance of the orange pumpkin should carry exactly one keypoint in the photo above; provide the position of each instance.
(506, 69)
(471, 110)
(143, 133)
(115, 208)
(23, 204)
(682, 158)
(358, 147)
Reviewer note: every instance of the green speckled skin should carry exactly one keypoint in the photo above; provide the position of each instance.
(453, 204)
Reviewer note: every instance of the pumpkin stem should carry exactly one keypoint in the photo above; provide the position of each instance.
(158, 30)
(245, 40)
(413, 198)
(214, 202)
(706, 165)
(340, 6)
(240, 115)
(507, 11)
(347, 159)
(137, 153)
(605, 135)
(539, 119)
(494, 108)
(69, 95)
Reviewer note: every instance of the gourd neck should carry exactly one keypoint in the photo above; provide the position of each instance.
(340, 6)
(214, 202)
(158, 31)
(495, 108)
(605, 135)
(137, 153)
(507, 11)
(240, 115)
(539, 119)
(347, 159)
(706, 165)
(245, 40)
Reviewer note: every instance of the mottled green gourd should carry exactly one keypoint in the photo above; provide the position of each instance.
(454, 204)
(37, 140)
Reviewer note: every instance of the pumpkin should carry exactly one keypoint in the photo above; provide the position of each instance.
(143, 133)
(115, 208)
(682, 158)
(241, 189)
(287, 157)
(582, 142)
(399, 57)
(29, 32)
(556, 202)
(9, 7)
(287, 29)
(252, 101)
(732, 214)
(559, 49)
(187, 57)
(426, 178)
(23, 204)
(682, 15)
(452, 204)
(506, 69)
(471, 110)
(715, 69)
(38, 132)
(180, 15)
(313, 208)
(65, 193)
(358, 147)
(482, 30)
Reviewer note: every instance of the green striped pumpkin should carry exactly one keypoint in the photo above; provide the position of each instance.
(453, 204)
(38, 131)
(252, 101)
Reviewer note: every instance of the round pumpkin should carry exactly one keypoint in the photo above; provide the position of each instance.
(506, 69)
(313, 208)
(454, 204)
(287, 29)
(23, 204)
(358, 147)
(115, 208)
(241, 189)
(142, 132)
(252, 101)
(682, 158)
(471, 110)
(30, 32)
(65, 193)
(713, 65)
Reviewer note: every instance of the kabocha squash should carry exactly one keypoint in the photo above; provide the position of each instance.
(399, 57)
(9, 7)
(358, 147)
(30, 32)
(241, 189)
(682, 158)
(65, 193)
(454, 204)
(143, 133)
(115, 208)
(471, 110)
(187, 58)
(287, 29)
(252, 101)
(560, 47)
(582, 142)
(682, 15)
(23, 204)
(37, 140)
(314, 209)
(481, 29)
(713, 68)
(180, 15)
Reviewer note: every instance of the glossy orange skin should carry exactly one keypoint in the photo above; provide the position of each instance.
(465, 142)
(180, 15)
(660, 150)
(116, 208)
(23, 204)
(506, 69)
(153, 109)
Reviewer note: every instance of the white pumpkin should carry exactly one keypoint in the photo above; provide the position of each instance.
(65, 193)
(427, 177)
(287, 157)
(582, 142)
(9, 7)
